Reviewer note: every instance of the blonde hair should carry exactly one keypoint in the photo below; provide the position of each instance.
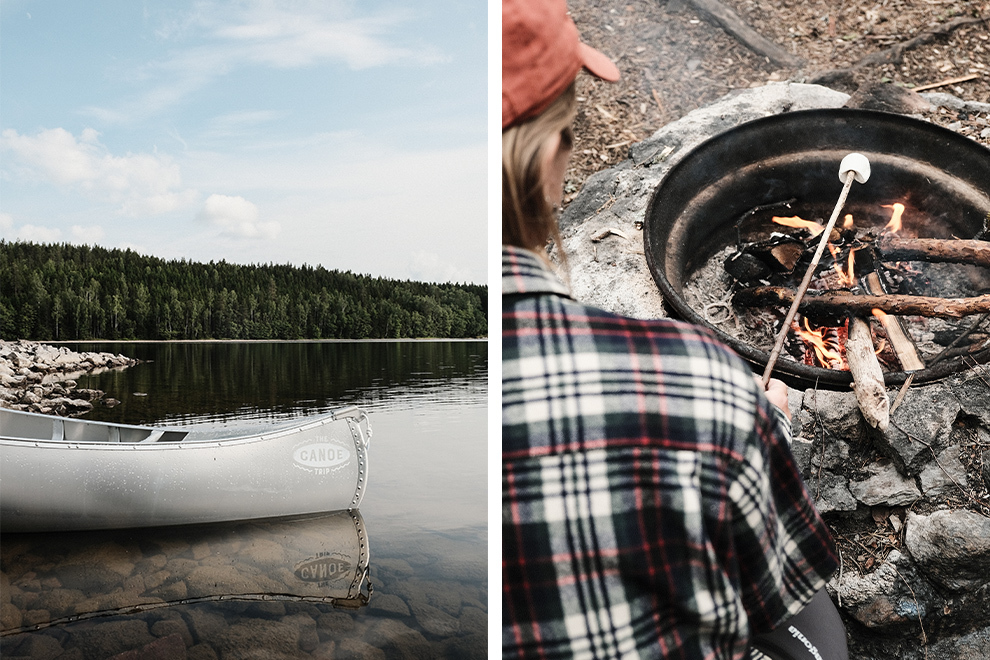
(528, 218)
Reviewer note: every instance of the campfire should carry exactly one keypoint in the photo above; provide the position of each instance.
(886, 268)
(732, 229)
(851, 320)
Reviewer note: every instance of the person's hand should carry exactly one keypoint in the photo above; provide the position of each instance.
(777, 394)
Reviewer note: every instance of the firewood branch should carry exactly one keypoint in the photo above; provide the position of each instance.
(935, 250)
(838, 304)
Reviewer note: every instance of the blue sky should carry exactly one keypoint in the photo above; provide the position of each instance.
(346, 134)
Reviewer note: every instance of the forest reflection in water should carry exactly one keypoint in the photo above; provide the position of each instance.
(424, 519)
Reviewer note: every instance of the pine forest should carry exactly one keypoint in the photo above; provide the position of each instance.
(67, 292)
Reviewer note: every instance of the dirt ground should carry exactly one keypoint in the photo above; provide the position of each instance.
(674, 58)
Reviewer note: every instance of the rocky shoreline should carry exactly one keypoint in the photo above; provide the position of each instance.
(40, 378)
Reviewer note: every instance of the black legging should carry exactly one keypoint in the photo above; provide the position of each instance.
(814, 633)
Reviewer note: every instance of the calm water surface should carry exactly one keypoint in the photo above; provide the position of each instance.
(286, 588)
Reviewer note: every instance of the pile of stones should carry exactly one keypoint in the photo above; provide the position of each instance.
(41, 378)
(909, 507)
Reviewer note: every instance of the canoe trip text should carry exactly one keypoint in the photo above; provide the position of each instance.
(321, 457)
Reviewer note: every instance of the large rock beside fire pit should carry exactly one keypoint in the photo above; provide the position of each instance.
(928, 413)
(893, 595)
(836, 412)
(885, 487)
(971, 392)
(833, 493)
(945, 473)
(951, 547)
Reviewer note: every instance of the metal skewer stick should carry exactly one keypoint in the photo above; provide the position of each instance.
(854, 167)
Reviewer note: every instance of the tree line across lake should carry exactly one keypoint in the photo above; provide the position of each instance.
(70, 292)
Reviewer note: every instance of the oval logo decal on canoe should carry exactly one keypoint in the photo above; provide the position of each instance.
(321, 455)
(324, 569)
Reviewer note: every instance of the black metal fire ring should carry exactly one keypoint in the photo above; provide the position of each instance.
(693, 210)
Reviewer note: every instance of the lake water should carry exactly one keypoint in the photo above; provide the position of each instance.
(280, 589)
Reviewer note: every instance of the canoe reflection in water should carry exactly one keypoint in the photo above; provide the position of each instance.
(163, 574)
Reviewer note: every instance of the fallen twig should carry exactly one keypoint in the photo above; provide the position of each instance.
(729, 21)
(950, 81)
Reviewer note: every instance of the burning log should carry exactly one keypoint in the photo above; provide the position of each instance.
(836, 305)
(867, 374)
(900, 342)
(974, 252)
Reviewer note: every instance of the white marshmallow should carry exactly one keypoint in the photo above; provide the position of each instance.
(857, 163)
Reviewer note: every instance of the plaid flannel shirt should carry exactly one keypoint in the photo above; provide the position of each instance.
(651, 507)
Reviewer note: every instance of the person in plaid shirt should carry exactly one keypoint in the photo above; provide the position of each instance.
(651, 507)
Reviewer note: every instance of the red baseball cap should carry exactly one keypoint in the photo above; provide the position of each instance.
(541, 56)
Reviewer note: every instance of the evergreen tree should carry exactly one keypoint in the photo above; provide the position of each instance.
(67, 292)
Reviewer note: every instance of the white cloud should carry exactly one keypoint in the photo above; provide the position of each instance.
(305, 33)
(138, 184)
(235, 122)
(35, 234)
(216, 38)
(32, 233)
(429, 267)
(235, 216)
(87, 235)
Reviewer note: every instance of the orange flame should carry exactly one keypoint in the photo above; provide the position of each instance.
(847, 222)
(826, 351)
(895, 217)
(847, 278)
(799, 223)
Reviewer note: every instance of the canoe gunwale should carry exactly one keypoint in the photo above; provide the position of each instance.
(354, 416)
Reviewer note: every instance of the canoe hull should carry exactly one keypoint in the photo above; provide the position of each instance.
(48, 485)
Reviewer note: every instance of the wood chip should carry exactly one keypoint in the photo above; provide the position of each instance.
(609, 231)
(656, 97)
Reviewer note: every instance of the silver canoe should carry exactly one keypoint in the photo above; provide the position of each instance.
(67, 474)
